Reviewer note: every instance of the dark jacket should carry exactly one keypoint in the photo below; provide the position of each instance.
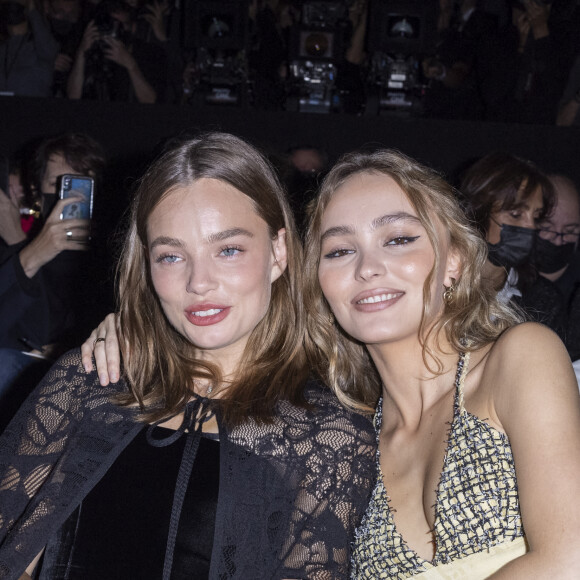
(40, 310)
(290, 495)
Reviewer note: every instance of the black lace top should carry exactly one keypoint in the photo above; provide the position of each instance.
(291, 492)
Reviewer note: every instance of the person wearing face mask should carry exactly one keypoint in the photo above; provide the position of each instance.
(558, 263)
(507, 197)
(556, 257)
(42, 273)
(27, 50)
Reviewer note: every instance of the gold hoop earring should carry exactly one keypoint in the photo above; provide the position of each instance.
(449, 293)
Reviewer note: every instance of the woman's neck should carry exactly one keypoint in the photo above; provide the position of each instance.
(410, 387)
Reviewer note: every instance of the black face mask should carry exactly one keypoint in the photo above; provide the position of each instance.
(514, 248)
(48, 201)
(12, 13)
(550, 258)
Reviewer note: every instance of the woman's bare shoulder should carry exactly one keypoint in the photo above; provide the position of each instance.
(525, 346)
(528, 360)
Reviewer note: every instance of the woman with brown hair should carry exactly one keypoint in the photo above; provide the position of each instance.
(507, 197)
(477, 416)
(214, 456)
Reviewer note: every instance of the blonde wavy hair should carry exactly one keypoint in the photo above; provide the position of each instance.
(160, 365)
(473, 319)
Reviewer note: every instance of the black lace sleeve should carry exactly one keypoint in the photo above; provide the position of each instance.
(305, 481)
(291, 491)
(44, 470)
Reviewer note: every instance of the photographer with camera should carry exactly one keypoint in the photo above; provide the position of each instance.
(27, 50)
(112, 64)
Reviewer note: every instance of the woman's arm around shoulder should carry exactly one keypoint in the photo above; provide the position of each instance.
(535, 397)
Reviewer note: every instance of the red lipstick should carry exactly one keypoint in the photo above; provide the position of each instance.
(206, 314)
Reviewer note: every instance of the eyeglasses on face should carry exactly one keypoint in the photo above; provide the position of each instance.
(570, 237)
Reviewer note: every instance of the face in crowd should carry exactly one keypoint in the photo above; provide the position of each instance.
(558, 234)
(511, 234)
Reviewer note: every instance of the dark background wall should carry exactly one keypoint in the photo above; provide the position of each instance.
(130, 132)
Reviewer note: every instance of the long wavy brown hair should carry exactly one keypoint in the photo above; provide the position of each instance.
(160, 365)
(473, 319)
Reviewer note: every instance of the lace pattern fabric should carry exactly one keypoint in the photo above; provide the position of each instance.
(477, 501)
(291, 491)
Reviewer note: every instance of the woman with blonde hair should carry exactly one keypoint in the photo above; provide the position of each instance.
(214, 456)
(477, 415)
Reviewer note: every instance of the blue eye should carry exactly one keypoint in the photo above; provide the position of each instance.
(402, 240)
(168, 259)
(230, 251)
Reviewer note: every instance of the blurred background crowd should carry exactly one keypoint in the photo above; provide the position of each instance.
(493, 60)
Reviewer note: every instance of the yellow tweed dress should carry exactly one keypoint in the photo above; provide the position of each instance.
(477, 508)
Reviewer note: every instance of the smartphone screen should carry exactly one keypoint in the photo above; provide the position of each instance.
(77, 185)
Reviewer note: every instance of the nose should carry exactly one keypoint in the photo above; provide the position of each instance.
(201, 278)
(369, 266)
(529, 221)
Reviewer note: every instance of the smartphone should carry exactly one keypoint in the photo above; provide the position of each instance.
(78, 185)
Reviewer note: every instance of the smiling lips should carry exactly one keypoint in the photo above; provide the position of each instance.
(374, 300)
(206, 314)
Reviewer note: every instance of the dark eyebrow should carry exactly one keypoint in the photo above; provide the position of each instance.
(376, 223)
(211, 239)
(523, 204)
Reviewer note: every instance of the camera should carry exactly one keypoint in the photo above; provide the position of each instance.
(216, 31)
(316, 44)
(107, 25)
(400, 32)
